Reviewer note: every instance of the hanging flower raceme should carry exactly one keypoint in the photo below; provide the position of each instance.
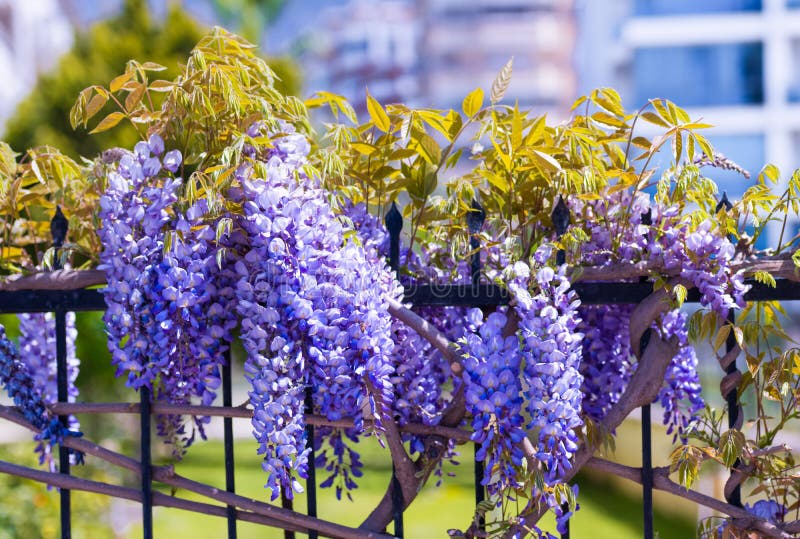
(494, 398)
(19, 382)
(37, 349)
(167, 315)
(312, 312)
(607, 364)
(551, 346)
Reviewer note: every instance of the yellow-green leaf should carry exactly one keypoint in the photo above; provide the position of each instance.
(653, 118)
(473, 102)
(363, 148)
(94, 107)
(152, 66)
(161, 86)
(680, 293)
(108, 122)
(425, 146)
(134, 97)
(378, 115)
(120, 81)
(764, 277)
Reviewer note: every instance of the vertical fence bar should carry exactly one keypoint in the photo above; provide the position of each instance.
(475, 220)
(63, 452)
(394, 224)
(732, 400)
(287, 503)
(647, 472)
(397, 504)
(147, 470)
(58, 231)
(311, 482)
(227, 424)
(560, 217)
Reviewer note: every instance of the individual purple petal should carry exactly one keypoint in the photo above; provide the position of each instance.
(151, 167)
(172, 160)
(156, 144)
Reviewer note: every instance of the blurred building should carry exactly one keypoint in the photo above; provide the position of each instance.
(734, 63)
(365, 44)
(434, 52)
(33, 35)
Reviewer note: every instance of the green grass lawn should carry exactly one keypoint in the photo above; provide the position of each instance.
(610, 507)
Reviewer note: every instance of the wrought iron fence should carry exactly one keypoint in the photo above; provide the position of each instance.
(472, 294)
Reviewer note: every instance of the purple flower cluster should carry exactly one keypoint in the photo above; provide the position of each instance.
(551, 345)
(769, 510)
(680, 395)
(167, 318)
(18, 381)
(37, 349)
(700, 254)
(312, 312)
(606, 366)
(494, 398)
(704, 258)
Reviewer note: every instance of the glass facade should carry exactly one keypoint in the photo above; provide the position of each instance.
(693, 7)
(692, 76)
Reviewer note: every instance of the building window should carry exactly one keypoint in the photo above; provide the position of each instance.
(693, 76)
(692, 7)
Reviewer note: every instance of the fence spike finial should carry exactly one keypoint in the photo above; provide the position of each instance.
(394, 224)
(724, 203)
(58, 228)
(475, 217)
(560, 217)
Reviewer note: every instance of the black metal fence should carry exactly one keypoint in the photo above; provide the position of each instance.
(473, 294)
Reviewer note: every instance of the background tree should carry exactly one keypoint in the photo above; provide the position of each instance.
(99, 54)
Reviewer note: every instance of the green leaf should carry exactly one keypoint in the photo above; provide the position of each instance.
(722, 336)
(378, 115)
(654, 119)
(771, 171)
(607, 119)
(363, 148)
(497, 180)
(731, 444)
(424, 144)
(108, 122)
(547, 161)
(796, 258)
(473, 102)
(680, 293)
